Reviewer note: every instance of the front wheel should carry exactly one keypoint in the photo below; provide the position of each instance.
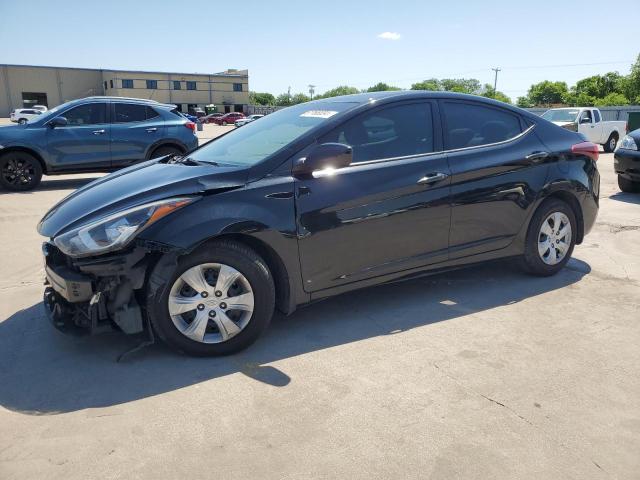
(19, 171)
(217, 301)
(22, 121)
(610, 146)
(628, 186)
(164, 151)
(550, 239)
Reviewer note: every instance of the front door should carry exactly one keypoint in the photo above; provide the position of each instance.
(84, 143)
(496, 162)
(588, 127)
(388, 211)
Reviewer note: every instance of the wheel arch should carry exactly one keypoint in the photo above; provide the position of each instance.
(570, 199)
(165, 143)
(30, 151)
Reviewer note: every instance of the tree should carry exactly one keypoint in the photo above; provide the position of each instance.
(382, 87)
(299, 98)
(599, 86)
(461, 85)
(432, 84)
(611, 100)
(524, 102)
(341, 90)
(257, 98)
(632, 83)
(283, 100)
(489, 92)
(547, 93)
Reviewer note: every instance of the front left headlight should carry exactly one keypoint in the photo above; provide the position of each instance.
(116, 230)
(628, 143)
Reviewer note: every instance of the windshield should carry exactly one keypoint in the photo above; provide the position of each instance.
(256, 141)
(565, 115)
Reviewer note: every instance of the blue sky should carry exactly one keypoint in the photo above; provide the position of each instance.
(328, 43)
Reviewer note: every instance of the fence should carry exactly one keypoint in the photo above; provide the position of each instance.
(608, 113)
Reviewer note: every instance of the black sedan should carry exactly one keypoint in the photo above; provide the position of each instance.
(626, 162)
(312, 201)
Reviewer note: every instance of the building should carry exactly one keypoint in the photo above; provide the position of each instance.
(28, 85)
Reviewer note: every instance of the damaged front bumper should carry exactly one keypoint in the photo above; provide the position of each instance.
(94, 295)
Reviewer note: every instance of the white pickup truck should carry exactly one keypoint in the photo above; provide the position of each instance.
(588, 121)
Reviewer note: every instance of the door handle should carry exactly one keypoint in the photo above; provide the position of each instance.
(537, 156)
(151, 130)
(432, 178)
(98, 132)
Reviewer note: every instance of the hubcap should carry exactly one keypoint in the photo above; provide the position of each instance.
(18, 171)
(199, 313)
(554, 238)
(612, 144)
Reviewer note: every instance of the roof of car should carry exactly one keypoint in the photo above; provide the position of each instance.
(102, 98)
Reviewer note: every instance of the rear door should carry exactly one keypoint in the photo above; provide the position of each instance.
(388, 211)
(599, 129)
(497, 168)
(134, 129)
(84, 143)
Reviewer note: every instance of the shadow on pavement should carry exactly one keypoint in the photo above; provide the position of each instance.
(626, 197)
(52, 183)
(43, 371)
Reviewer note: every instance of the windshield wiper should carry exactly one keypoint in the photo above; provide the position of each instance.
(189, 161)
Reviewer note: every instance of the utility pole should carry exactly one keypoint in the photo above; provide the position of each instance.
(311, 91)
(495, 80)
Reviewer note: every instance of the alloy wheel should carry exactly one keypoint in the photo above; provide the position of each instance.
(612, 143)
(554, 238)
(18, 172)
(211, 303)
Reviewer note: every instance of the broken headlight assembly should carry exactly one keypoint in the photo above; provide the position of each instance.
(117, 230)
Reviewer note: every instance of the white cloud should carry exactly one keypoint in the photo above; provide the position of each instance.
(389, 36)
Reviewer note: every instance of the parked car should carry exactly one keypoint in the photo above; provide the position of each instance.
(304, 205)
(209, 118)
(91, 134)
(42, 108)
(188, 116)
(228, 118)
(588, 121)
(198, 112)
(626, 162)
(249, 119)
(23, 115)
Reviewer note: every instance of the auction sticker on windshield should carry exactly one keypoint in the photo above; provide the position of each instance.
(319, 113)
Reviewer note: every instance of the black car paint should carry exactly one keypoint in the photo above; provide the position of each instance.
(361, 226)
(626, 163)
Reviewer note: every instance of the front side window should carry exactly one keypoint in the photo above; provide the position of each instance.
(191, 85)
(470, 125)
(127, 83)
(596, 114)
(89, 114)
(256, 141)
(237, 87)
(395, 131)
(152, 84)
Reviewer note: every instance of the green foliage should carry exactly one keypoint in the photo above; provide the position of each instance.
(489, 92)
(257, 98)
(611, 100)
(433, 84)
(336, 92)
(382, 87)
(632, 84)
(299, 98)
(460, 85)
(599, 86)
(547, 93)
(524, 102)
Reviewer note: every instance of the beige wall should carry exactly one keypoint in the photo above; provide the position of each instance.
(64, 84)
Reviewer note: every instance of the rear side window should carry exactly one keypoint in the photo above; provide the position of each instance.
(88, 114)
(396, 131)
(470, 125)
(129, 112)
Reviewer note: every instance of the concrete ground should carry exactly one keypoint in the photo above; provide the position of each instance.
(478, 374)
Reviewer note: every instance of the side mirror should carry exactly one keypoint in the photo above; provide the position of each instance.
(58, 122)
(325, 156)
(585, 120)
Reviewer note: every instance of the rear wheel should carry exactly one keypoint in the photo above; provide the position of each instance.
(610, 146)
(627, 185)
(217, 301)
(224, 124)
(163, 151)
(19, 171)
(550, 239)
(22, 121)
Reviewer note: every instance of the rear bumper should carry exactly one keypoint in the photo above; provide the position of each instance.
(627, 164)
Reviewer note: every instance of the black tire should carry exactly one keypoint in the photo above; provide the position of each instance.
(628, 186)
(611, 144)
(531, 261)
(22, 121)
(224, 124)
(236, 255)
(29, 168)
(165, 150)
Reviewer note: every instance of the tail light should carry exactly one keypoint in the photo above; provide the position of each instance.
(586, 148)
(190, 126)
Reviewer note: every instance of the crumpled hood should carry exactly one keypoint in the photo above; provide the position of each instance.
(146, 182)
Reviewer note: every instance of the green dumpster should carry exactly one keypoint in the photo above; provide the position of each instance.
(634, 120)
